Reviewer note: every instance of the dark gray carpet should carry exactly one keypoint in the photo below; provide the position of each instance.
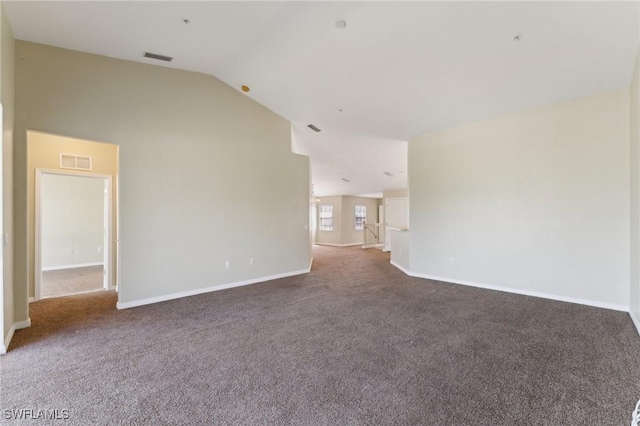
(64, 282)
(354, 342)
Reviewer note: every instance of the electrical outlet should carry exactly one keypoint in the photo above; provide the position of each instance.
(99, 249)
(69, 251)
(452, 260)
(227, 264)
(252, 261)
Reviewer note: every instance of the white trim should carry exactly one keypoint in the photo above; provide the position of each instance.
(612, 306)
(310, 264)
(376, 245)
(74, 294)
(31, 299)
(108, 260)
(79, 265)
(337, 245)
(397, 265)
(23, 324)
(635, 320)
(164, 298)
(7, 340)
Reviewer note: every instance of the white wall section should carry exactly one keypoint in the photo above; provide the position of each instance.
(73, 222)
(535, 202)
(634, 306)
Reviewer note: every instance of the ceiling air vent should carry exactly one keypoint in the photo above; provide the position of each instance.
(346, 180)
(314, 128)
(158, 57)
(77, 162)
(388, 174)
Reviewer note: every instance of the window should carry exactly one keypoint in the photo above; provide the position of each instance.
(361, 217)
(326, 217)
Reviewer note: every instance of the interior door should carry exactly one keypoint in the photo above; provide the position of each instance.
(396, 218)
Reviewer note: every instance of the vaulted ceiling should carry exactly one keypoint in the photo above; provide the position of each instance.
(395, 70)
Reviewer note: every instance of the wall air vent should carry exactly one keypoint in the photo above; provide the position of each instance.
(77, 162)
(388, 174)
(346, 180)
(314, 128)
(158, 57)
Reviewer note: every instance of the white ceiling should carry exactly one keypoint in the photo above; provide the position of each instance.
(398, 68)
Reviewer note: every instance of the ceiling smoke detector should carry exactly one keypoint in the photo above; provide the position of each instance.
(158, 57)
(341, 23)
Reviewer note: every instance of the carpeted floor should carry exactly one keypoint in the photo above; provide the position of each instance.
(353, 342)
(63, 282)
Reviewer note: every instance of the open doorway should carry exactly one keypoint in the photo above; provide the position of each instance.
(73, 233)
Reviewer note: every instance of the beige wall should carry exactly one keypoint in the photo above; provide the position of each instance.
(349, 233)
(206, 174)
(72, 214)
(534, 202)
(7, 97)
(43, 152)
(344, 232)
(635, 194)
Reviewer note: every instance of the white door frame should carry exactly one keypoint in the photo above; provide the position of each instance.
(108, 268)
(387, 228)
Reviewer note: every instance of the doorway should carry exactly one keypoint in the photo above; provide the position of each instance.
(72, 233)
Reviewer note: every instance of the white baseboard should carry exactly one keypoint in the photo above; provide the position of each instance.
(182, 294)
(310, 264)
(7, 340)
(23, 324)
(635, 320)
(73, 294)
(406, 271)
(5, 345)
(78, 265)
(31, 299)
(337, 245)
(376, 245)
(587, 302)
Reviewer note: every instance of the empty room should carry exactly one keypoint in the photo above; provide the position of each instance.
(320, 212)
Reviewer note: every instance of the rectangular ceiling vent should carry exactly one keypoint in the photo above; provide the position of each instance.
(73, 161)
(314, 128)
(346, 180)
(388, 174)
(158, 57)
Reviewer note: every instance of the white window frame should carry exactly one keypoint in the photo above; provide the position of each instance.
(360, 220)
(325, 216)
